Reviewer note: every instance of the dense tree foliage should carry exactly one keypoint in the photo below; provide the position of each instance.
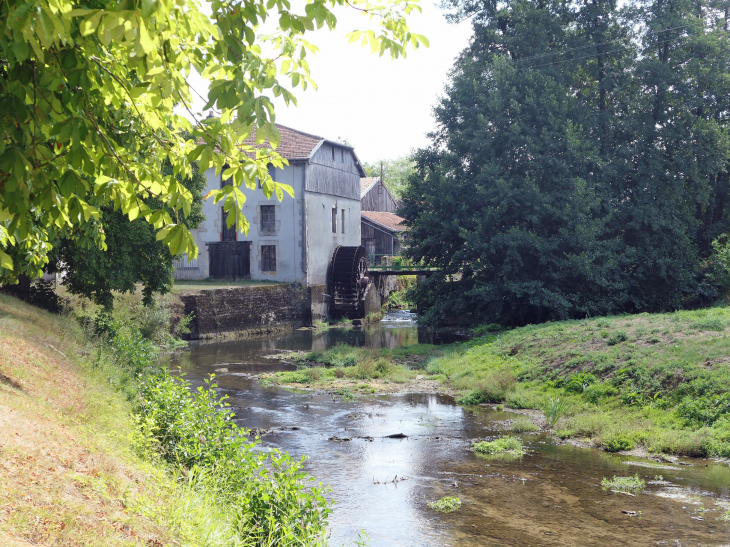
(580, 161)
(133, 254)
(91, 100)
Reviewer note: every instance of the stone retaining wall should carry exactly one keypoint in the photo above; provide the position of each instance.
(247, 310)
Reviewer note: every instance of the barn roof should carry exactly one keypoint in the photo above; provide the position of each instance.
(294, 145)
(389, 221)
(366, 183)
(298, 145)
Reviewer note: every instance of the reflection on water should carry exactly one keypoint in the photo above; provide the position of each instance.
(551, 496)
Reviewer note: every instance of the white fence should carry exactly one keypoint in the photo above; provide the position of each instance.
(186, 269)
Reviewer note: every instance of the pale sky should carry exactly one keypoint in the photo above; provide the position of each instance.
(382, 107)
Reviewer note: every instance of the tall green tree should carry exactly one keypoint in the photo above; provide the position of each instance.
(579, 162)
(91, 100)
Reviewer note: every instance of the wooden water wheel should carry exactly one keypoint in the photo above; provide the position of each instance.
(348, 282)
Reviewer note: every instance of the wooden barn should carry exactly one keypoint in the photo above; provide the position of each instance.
(375, 196)
(381, 228)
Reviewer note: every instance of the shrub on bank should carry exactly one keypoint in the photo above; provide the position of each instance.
(264, 496)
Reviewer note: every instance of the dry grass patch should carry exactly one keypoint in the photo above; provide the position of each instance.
(67, 474)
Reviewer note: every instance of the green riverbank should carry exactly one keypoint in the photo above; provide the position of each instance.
(102, 447)
(658, 383)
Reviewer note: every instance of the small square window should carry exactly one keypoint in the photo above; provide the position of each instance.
(334, 220)
(268, 258)
(268, 218)
(343, 221)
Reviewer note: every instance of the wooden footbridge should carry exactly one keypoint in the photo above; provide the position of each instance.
(352, 271)
(396, 265)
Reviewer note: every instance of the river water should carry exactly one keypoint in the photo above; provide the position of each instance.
(550, 496)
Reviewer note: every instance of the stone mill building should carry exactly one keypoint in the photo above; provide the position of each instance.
(289, 241)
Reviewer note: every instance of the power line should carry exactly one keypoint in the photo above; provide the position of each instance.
(478, 72)
(595, 44)
(617, 50)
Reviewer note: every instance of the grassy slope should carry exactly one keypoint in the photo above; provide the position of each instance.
(627, 379)
(183, 286)
(68, 474)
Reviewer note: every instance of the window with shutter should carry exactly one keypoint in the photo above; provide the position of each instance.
(268, 258)
(268, 218)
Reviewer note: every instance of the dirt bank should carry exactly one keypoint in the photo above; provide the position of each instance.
(68, 475)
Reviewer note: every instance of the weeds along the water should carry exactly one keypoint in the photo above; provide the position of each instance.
(624, 484)
(265, 497)
(503, 445)
(162, 323)
(446, 504)
(554, 409)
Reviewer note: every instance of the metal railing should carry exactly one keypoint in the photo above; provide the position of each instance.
(395, 263)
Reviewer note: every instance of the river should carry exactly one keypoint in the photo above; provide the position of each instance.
(550, 496)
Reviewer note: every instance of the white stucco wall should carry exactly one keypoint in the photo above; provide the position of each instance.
(287, 236)
(321, 241)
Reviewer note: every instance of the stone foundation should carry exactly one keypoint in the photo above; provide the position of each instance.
(319, 302)
(245, 311)
(379, 291)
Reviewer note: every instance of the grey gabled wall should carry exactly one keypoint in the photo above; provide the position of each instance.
(337, 176)
(377, 198)
(376, 240)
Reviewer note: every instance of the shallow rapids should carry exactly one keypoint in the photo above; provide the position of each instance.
(382, 484)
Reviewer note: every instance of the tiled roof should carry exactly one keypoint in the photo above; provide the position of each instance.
(366, 183)
(294, 145)
(389, 221)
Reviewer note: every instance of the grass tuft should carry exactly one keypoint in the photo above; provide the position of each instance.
(623, 484)
(503, 445)
(523, 425)
(554, 409)
(445, 504)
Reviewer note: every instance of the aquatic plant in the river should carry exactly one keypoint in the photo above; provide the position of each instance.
(503, 445)
(623, 484)
(445, 504)
(554, 409)
(343, 394)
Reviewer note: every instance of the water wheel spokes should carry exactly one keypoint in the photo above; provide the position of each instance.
(348, 281)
